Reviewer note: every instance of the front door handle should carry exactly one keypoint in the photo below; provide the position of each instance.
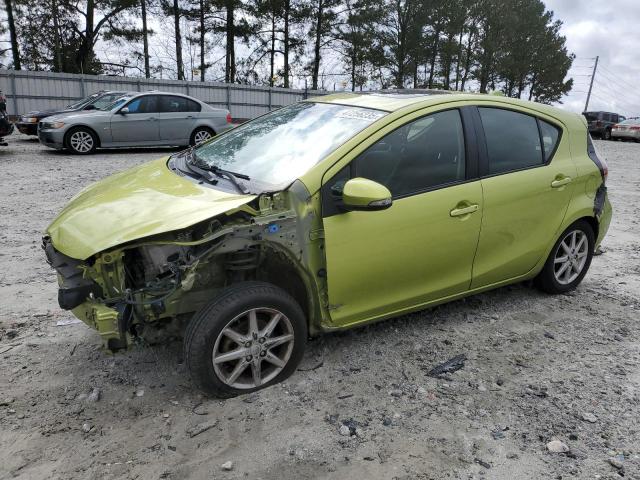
(458, 212)
(560, 182)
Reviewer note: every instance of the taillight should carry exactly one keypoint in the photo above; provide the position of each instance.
(615, 127)
(600, 162)
(229, 119)
(635, 128)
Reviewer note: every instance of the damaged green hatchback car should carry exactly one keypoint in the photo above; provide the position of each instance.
(328, 214)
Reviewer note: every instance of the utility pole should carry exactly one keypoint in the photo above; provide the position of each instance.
(593, 75)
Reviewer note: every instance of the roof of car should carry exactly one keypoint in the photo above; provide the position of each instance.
(392, 100)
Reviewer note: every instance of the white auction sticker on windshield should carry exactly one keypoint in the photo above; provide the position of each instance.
(360, 114)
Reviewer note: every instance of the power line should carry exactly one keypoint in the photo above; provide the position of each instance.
(620, 93)
(609, 100)
(606, 106)
(609, 72)
(612, 89)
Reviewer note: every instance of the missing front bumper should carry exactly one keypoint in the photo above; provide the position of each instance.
(109, 322)
(74, 288)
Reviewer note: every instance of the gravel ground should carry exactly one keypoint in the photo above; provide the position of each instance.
(540, 368)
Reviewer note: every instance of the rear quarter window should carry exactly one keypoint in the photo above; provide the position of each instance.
(550, 137)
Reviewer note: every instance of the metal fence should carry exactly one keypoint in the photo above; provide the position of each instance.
(28, 91)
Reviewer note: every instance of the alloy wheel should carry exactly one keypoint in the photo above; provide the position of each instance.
(81, 141)
(201, 136)
(571, 257)
(253, 348)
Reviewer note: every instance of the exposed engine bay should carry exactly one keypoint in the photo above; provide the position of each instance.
(158, 282)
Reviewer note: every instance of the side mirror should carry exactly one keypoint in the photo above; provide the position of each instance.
(124, 110)
(90, 107)
(365, 194)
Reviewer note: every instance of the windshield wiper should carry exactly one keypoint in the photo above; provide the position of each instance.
(195, 162)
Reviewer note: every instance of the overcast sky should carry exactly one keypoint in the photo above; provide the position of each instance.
(610, 29)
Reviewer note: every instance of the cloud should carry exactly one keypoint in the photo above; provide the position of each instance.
(610, 30)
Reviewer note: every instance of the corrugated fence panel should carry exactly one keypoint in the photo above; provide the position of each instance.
(28, 91)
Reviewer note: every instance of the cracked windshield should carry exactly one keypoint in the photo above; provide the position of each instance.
(277, 148)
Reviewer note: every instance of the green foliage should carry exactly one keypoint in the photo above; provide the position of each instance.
(512, 46)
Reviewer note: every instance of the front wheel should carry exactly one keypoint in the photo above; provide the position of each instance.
(606, 135)
(569, 259)
(252, 335)
(81, 141)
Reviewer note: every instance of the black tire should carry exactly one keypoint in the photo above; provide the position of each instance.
(71, 142)
(200, 130)
(206, 326)
(546, 279)
(606, 135)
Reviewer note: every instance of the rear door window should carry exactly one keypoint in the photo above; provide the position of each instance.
(170, 104)
(513, 140)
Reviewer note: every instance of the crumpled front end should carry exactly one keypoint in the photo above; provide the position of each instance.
(81, 290)
(154, 285)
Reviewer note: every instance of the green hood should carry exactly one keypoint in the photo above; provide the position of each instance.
(137, 203)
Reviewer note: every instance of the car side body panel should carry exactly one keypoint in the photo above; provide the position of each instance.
(522, 211)
(379, 262)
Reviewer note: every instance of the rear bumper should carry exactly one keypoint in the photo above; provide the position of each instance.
(628, 134)
(605, 220)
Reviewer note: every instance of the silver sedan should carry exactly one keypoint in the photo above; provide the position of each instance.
(141, 120)
(627, 130)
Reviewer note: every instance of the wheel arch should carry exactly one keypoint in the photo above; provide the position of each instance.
(198, 126)
(281, 269)
(203, 125)
(76, 127)
(584, 214)
(593, 222)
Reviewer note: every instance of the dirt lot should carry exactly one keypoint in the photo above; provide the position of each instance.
(539, 368)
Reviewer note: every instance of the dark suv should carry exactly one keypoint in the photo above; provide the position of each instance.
(600, 123)
(28, 123)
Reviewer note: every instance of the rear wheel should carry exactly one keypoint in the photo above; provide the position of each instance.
(200, 135)
(81, 141)
(606, 135)
(569, 259)
(250, 336)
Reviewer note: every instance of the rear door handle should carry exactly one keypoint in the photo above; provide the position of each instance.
(560, 182)
(458, 212)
